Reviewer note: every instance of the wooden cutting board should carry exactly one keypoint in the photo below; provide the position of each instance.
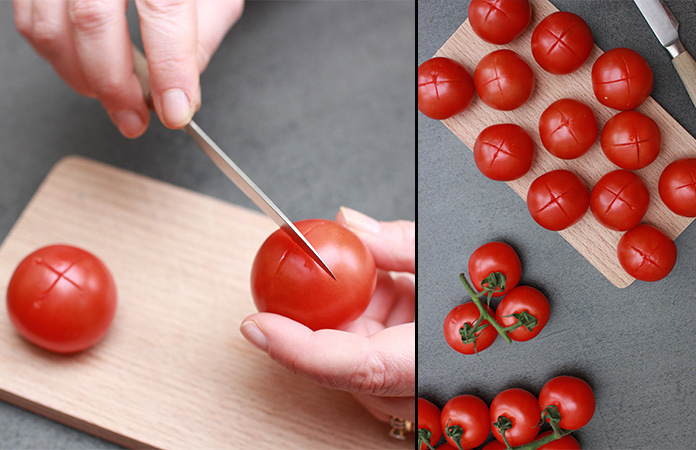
(174, 371)
(589, 237)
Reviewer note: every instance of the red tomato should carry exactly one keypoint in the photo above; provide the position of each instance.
(491, 258)
(562, 42)
(62, 298)
(619, 200)
(503, 80)
(567, 442)
(445, 88)
(572, 396)
(677, 187)
(519, 300)
(558, 199)
(568, 128)
(429, 429)
(468, 313)
(286, 281)
(493, 445)
(621, 79)
(469, 414)
(499, 21)
(631, 140)
(647, 253)
(504, 152)
(520, 409)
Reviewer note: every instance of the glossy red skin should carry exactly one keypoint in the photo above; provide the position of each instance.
(468, 313)
(677, 187)
(631, 140)
(495, 257)
(523, 298)
(493, 445)
(429, 418)
(572, 396)
(567, 442)
(619, 200)
(504, 152)
(62, 298)
(286, 281)
(499, 21)
(646, 253)
(621, 79)
(568, 128)
(562, 42)
(445, 88)
(503, 80)
(470, 413)
(558, 199)
(522, 408)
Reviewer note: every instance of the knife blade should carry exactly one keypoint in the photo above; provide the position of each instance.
(666, 29)
(233, 171)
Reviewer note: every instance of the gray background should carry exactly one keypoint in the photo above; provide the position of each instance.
(634, 345)
(313, 99)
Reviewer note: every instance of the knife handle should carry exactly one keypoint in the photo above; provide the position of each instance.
(143, 74)
(686, 68)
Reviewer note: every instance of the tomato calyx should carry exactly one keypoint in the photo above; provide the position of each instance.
(524, 319)
(470, 332)
(424, 436)
(553, 416)
(503, 424)
(492, 284)
(455, 432)
(550, 414)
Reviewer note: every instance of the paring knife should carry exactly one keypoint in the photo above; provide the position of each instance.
(231, 169)
(665, 27)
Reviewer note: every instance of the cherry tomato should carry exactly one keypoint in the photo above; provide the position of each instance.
(62, 298)
(619, 200)
(286, 281)
(519, 300)
(647, 253)
(493, 445)
(520, 412)
(621, 79)
(491, 258)
(468, 313)
(445, 88)
(677, 187)
(631, 140)
(500, 21)
(562, 42)
(503, 80)
(429, 422)
(470, 413)
(572, 396)
(567, 442)
(504, 152)
(568, 128)
(558, 199)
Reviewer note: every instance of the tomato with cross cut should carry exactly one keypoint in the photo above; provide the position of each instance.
(562, 42)
(503, 80)
(631, 140)
(647, 253)
(621, 79)
(445, 88)
(504, 152)
(677, 187)
(568, 128)
(619, 200)
(499, 21)
(558, 199)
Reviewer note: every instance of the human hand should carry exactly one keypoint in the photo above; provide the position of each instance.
(374, 357)
(88, 44)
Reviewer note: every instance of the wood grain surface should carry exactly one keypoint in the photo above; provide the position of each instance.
(595, 242)
(174, 371)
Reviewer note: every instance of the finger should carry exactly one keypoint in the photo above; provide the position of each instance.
(393, 244)
(404, 308)
(384, 408)
(169, 33)
(381, 364)
(214, 21)
(104, 51)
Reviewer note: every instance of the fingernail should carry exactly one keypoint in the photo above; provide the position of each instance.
(253, 334)
(177, 110)
(129, 123)
(359, 221)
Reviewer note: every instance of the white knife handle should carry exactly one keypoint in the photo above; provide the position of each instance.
(686, 68)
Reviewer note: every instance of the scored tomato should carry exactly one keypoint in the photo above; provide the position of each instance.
(646, 253)
(503, 80)
(516, 411)
(521, 303)
(558, 199)
(621, 79)
(458, 326)
(568, 128)
(445, 88)
(677, 187)
(499, 21)
(504, 152)
(619, 200)
(467, 416)
(429, 429)
(494, 257)
(631, 140)
(572, 397)
(567, 442)
(562, 42)
(286, 281)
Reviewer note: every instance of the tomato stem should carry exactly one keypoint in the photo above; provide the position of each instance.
(424, 436)
(482, 311)
(454, 432)
(534, 445)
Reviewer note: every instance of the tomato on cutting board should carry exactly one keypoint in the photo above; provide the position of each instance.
(677, 187)
(647, 253)
(558, 199)
(445, 88)
(504, 152)
(562, 42)
(501, 21)
(631, 140)
(568, 128)
(503, 80)
(619, 200)
(621, 79)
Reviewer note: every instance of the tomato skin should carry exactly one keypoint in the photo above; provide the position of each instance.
(429, 418)
(62, 298)
(562, 42)
(495, 257)
(470, 413)
(619, 200)
(631, 140)
(567, 442)
(504, 152)
(568, 128)
(286, 281)
(499, 22)
(503, 80)
(611, 73)
(468, 313)
(523, 298)
(445, 88)
(677, 188)
(522, 408)
(646, 253)
(572, 396)
(558, 199)
(493, 445)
